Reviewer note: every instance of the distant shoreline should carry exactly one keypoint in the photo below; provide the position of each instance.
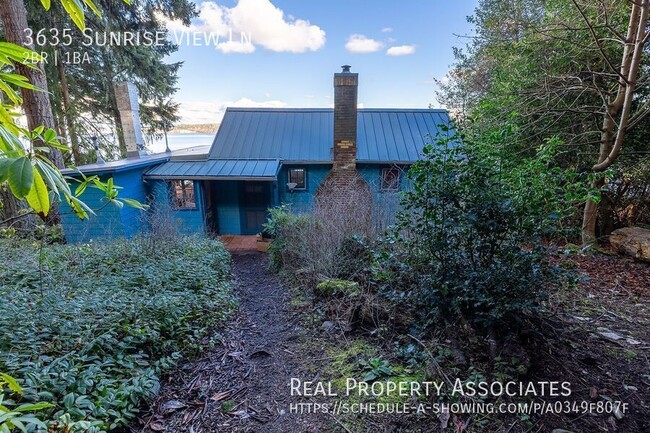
(199, 128)
(181, 140)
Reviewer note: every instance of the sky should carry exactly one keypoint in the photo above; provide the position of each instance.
(283, 53)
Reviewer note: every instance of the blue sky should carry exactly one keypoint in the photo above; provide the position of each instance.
(296, 45)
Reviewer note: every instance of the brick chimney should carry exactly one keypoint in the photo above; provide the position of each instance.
(126, 95)
(346, 85)
(344, 196)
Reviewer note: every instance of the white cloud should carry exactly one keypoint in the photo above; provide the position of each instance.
(192, 112)
(387, 30)
(362, 44)
(401, 50)
(248, 24)
(235, 47)
(331, 105)
(245, 102)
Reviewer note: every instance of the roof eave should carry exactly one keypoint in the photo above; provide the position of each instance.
(174, 177)
(126, 166)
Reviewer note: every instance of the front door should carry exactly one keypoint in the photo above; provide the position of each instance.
(254, 202)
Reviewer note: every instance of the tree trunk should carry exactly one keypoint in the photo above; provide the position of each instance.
(590, 215)
(35, 104)
(13, 212)
(112, 100)
(67, 113)
(617, 113)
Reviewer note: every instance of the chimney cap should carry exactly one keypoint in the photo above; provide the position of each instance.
(345, 69)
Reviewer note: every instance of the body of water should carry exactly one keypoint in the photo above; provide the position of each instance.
(180, 141)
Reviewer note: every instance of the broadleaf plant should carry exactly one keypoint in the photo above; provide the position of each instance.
(28, 173)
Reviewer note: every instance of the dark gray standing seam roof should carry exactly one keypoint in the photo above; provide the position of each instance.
(252, 142)
(251, 169)
(307, 134)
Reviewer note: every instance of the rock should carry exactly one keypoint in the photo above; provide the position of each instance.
(632, 241)
(616, 337)
(172, 406)
(612, 336)
(328, 326)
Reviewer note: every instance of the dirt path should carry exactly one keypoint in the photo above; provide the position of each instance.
(244, 387)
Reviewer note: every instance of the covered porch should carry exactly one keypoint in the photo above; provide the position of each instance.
(239, 243)
(231, 196)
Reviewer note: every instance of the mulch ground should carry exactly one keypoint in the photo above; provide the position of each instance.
(595, 335)
(244, 385)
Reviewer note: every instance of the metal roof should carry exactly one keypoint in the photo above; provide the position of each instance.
(307, 135)
(250, 169)
(195, 153)
(119, 165)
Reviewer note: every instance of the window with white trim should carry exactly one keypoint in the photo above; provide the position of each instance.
(183, 194)
(299, 177)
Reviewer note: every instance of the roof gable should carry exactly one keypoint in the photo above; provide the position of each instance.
(307, 135)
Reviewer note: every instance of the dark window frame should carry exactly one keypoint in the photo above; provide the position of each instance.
(186, 200)
(385, 182)
(304, 178)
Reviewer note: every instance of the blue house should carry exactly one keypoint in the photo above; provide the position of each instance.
(262, 157)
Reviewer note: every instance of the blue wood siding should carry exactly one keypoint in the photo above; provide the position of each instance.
(386, 204)
(110, 221)
(135, 188)
(188, 221)
(301, 200)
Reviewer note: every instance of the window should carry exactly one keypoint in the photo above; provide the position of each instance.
(390, 179)
(183, 194)
(298, 176)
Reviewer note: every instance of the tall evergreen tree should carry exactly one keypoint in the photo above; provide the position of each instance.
(85, 73)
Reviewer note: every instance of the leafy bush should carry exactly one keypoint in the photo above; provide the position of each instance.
(468, 240)
(288, 232)
(327, 242)
(375, 368)
(14, 416)
(90, 328)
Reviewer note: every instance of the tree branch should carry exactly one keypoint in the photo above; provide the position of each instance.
(597, 40)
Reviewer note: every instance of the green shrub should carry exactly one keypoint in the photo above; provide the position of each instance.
(318, 242)
(375, 368)
(355, 258)
(90, 328)
(17, 416)
(294, 236)
(467, 241)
